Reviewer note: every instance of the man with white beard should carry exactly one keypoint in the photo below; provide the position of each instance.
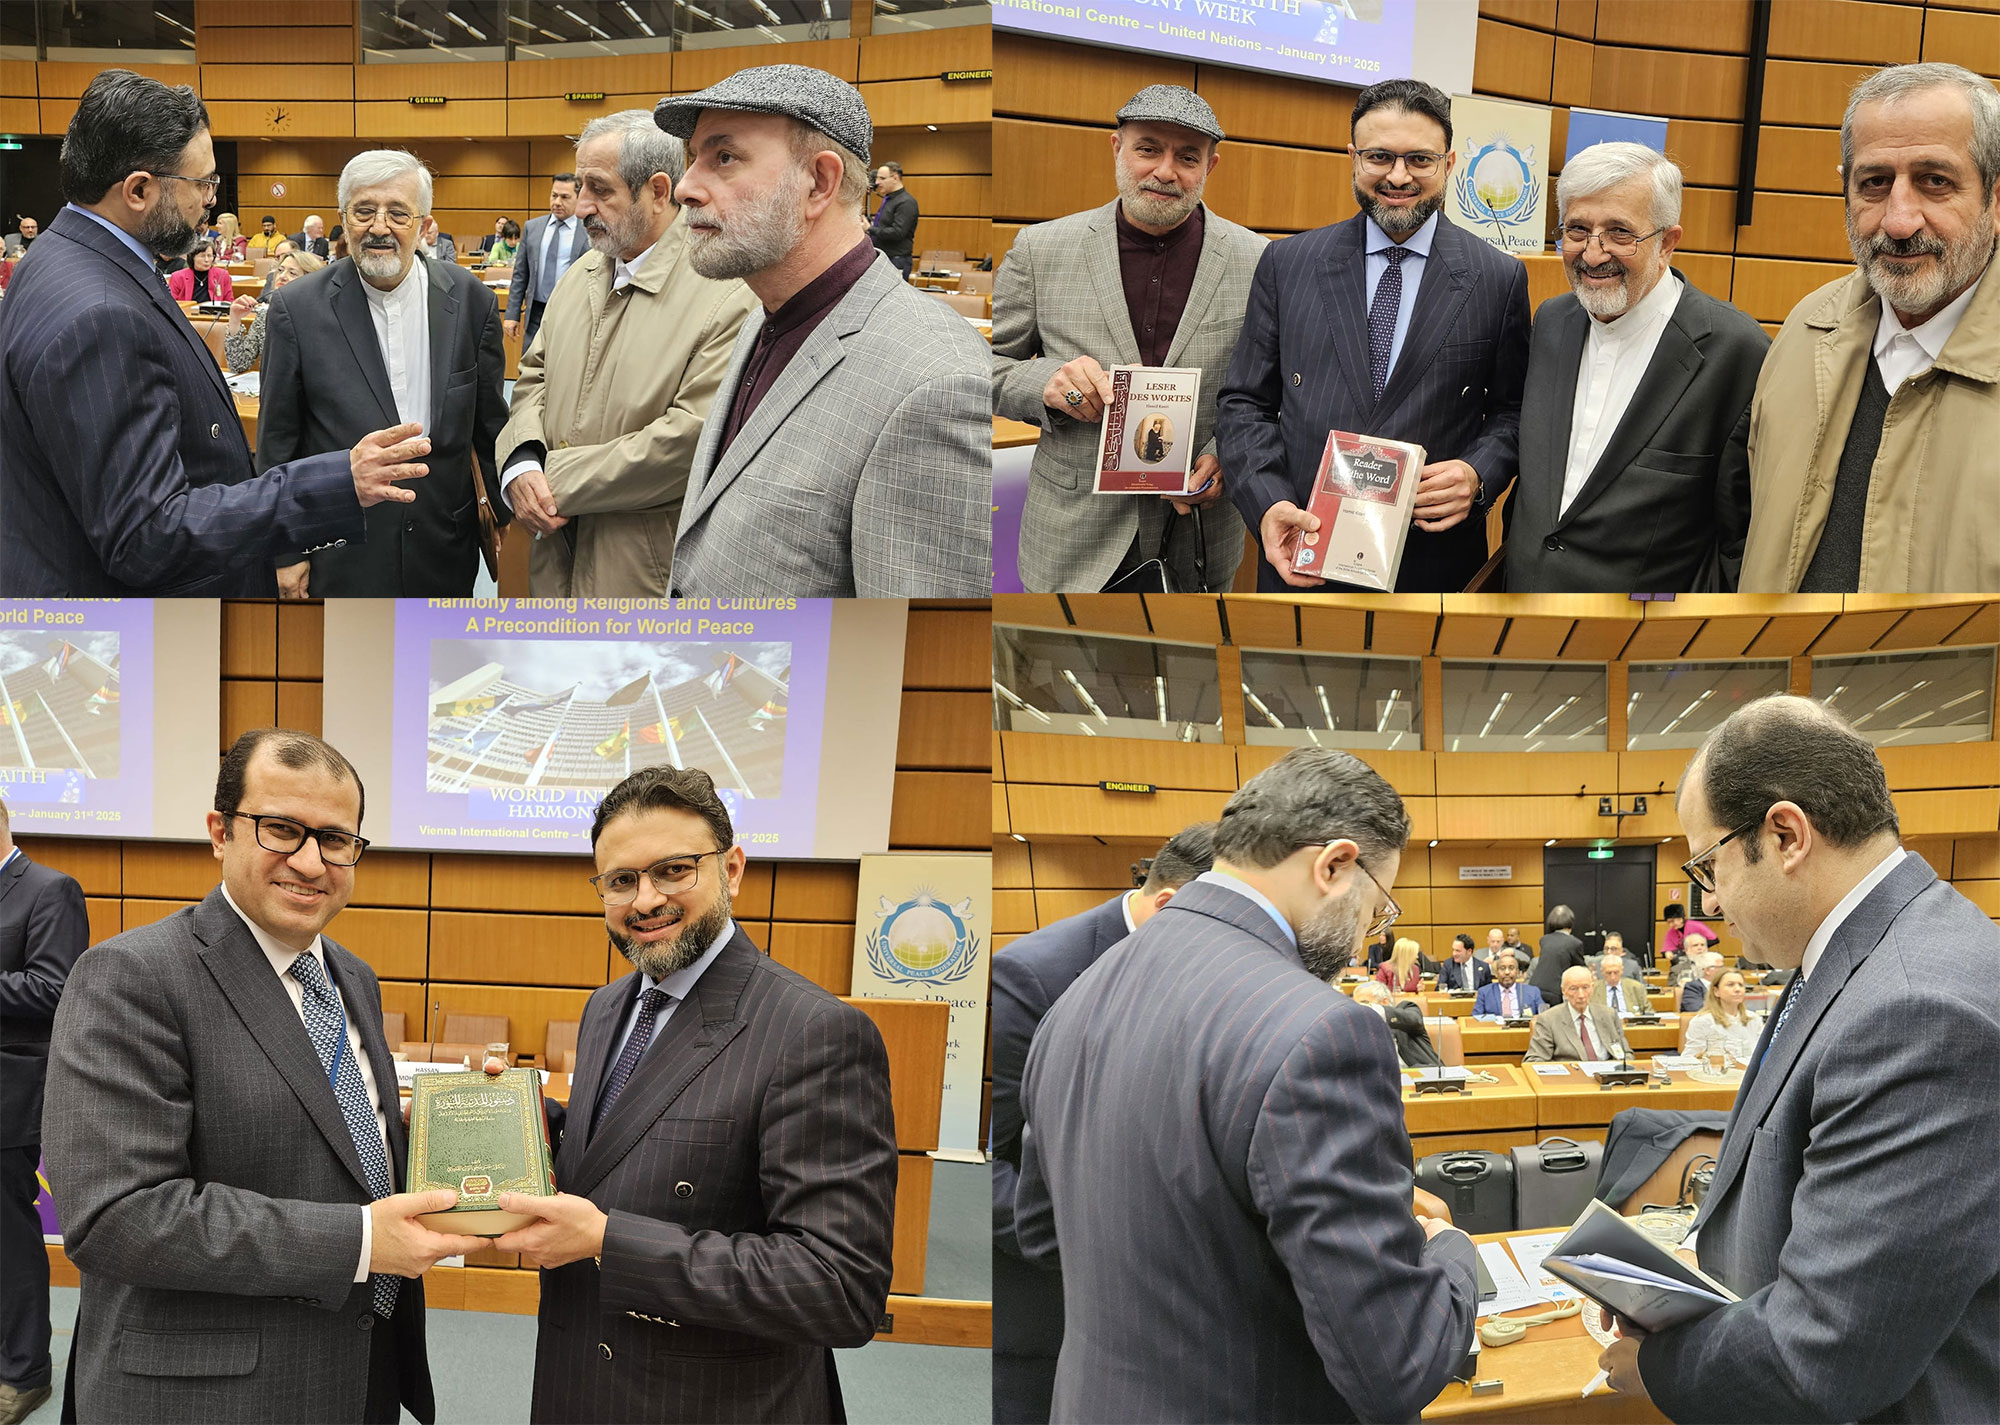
(1872, 439)
(849, 451)
(385, 336)
(1636, 382)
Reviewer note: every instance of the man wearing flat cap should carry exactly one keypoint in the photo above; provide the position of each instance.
(1153, 278)
(848, 451)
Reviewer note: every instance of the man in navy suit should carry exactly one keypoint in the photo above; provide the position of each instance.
(1215, 1146)
(1506, 997)
(1028, 977)
(1395, 324)
(1462, 971)
(123, 465)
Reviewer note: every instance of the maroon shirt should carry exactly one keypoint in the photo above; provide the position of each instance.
(786, 330)
(1158, 273)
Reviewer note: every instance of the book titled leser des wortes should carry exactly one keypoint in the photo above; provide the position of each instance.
(479, 1135)
(1145, 441)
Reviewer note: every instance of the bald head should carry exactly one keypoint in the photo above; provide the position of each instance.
(1577, 985)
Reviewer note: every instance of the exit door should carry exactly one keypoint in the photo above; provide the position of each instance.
(1611, 893)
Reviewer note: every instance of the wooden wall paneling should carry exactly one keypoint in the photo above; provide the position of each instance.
(1927, 627)
(1724, 638)
(393, 942)
(209, 13)
(1446, 858)
(1043, 171)
(249, 639)
(1652, 772)
(1970, 40)
(244, 119)
(1102, 865)
(1571, 82)
(1708, 153)
(1508, 904)
(824, 954)
(304, 193)
(1855, 632)
(409, 1000)
(1536, 637)
(1982, 627)
(941, 195)
(1976, 857)
(17, 78)
(1596, 640)
(948, 648)
(105, 917)
(1708, 219)
(1229, 679)
(1813, 94)
(1051, 906)
(1012, 864)
(1487, 818)
(1281, 189)
(246, 705)
(278, 44)
(1576, 18)
(135, 913)
(400, 120)
(558, 116)
(1505, 774)
(301, 640)
(553, 78)
(1184, 618)
(698, 68)
(1269, 108)
(393, 878)
(1683, 86)
(518, 949)
(20, 114)
(1333, 630)
(1086, 761)
(753, 894)
(170, 870)
(528, 1010)
(1716, 25)
(1015, 911)
(967, 149)
(1512, 62)
(971, 236)
(1086, 811)
(93, 863)
(1003, 821)
(1768, 289)
(1410, 773)
(1051, 80)
(759, 932)
(1788, 635)
(1795, 225)
(1846, 30)
(1965, 812)
(911, 1236)
(299, 707)
(67, 79)
(928, 101)
(278, 81)
(1798, 160)
(463, 881)
(498, 195)
(1949, 764)
(1109, 613)
(939, 809)
(1469, 635)
(1535, 14)
(1261, 623)
(1984, 894)
(925, 53)
(940, 729)
(815, 890)
(916, 1034)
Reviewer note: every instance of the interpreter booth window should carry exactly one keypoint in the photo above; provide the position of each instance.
(901, 17)
(426, 31)
(101, 32)
(1524, 707)
(395, 31)
(1907, 699)
(1679, 704)
(1317, 700)
(1089, 685)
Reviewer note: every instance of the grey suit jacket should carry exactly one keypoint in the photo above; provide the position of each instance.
(1215, 1152)
(1852, 1207)
(865, 472)
(1059, 296)
(1646, 519)
(749, 1172)
(1554, 1035)
(521, 291)
(209, 1184)
(325, 386)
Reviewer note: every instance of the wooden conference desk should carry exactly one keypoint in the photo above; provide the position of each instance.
(1486, 1044)
(1526, 1107)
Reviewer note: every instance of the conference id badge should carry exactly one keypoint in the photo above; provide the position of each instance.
(1363, 495)
(1145, 441)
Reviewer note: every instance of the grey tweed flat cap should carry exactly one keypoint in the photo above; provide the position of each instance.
(812, 96)
(1171, 104)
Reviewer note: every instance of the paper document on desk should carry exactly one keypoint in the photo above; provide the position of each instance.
(1529, 1249)
(1622, 1269)
(1448, 1073)
(246, 383)
(1512, 1291)
(1595, 1067)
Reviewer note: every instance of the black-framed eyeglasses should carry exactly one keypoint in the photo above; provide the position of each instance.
(670, 876)
(208, 185)
(1421, 162)
(1383, 918)
(285, 836)
(1699, 868)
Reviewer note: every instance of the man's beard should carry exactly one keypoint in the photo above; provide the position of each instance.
(756, 238)
(1154, 208)
(1398, 223)
(378, 261)
(1605, 301)
(1327, 941)
(1925, 289)
(164, 230)
(659, 958)
(612, 239)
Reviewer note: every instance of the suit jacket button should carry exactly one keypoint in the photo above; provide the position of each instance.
(1295, 378)
(683, 1189)
(340, 544)
(215, 431)
(1553, 545)
(367, 1321)
(605, 1348)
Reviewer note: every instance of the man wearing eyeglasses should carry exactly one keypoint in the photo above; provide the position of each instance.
(389, 335)
(1636, 382)
(123, 465)
(1396, 324)
(222, 1132)
(1215, 1150)
(1852, 1206)
(727, 1157)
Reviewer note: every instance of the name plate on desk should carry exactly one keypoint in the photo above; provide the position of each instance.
(479, 1135)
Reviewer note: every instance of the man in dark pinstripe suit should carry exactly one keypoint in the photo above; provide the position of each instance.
(1394, 324)
(1215, 1149)
(728, 1153)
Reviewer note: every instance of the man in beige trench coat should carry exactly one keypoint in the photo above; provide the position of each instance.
(613, 392)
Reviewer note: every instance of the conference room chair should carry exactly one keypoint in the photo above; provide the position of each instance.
(260, 267)
(1663, 1188)
(392, 1027)
(1446, 1039)
(966, 305)
(942, 259)
(975, 281)
(559, 1046)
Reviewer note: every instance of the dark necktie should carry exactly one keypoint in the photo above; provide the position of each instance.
(1784, 1013)
(326, 1024)
(1583, 1033)
(650, 1005)
(1382, 318)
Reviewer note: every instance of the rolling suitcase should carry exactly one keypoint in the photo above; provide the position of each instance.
(1476, 1185)
(1553, 1181)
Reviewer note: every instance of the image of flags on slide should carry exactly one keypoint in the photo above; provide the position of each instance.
(656, 732)
(10, 713)
(521, 707)
(60, 703)
(59, 663)
(772, 711)
(103, 698)
(719, 679)
(480, 739)
(616, 743)
(465, 707)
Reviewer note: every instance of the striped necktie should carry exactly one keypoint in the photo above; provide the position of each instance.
(650, 1005)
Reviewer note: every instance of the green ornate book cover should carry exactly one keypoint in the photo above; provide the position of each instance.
(479, 1135)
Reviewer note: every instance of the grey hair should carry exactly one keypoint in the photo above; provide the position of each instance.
(643, 148)
(855, 178)
(384, 165)
(1311, 794)
(1902, 80)
(1606, 165)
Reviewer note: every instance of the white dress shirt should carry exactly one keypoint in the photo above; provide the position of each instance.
(281, 957)
(554, 259)
(403, 331)
(1902, 352)
(1124, 904)
(1418, 245)
(677, 986)
(1615, 356)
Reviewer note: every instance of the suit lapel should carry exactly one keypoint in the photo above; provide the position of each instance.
(357, 325)
(1572, 330)
(13, 875)
(1440, 293)
(444, 327)
(1209, 271)
(367, 1018)
(1343, 293)
(244, 976)
(1100, 263)
(1675, 363)
(601, 1020)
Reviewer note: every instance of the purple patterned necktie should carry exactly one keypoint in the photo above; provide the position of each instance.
(650, 1005)
(1382, 317)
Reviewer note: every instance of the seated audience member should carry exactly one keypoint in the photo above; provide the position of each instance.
(506, 242)
(1687, 964)
(1694, 993)
(283, 246)
(337, 241)
(262, 244)
(1679, 927)
(1576, 1028)
(168, 263)
(201, 280)
(17, 243)
(1403, 971)
(1496, 941)
(1414, 1049)
(1614, 990)
(1462, 971)
(1515, 943)
(1507, 997)
(312, 238)
(229, 243)
(243, 348)
(1722, 1024)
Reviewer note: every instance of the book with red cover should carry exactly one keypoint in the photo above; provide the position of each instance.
(1145, 441)
(1363, 495)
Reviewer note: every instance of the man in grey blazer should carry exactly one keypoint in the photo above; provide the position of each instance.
(1636, 380)
(542, 258)
(1560, 1031)
(1215, 1150)
(727, 1156)
(223, 1134)
(1152, 278)
(383, 337)
(848, 453)
(1852, 1207)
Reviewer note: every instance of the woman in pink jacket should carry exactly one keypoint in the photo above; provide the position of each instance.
(201, 280)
